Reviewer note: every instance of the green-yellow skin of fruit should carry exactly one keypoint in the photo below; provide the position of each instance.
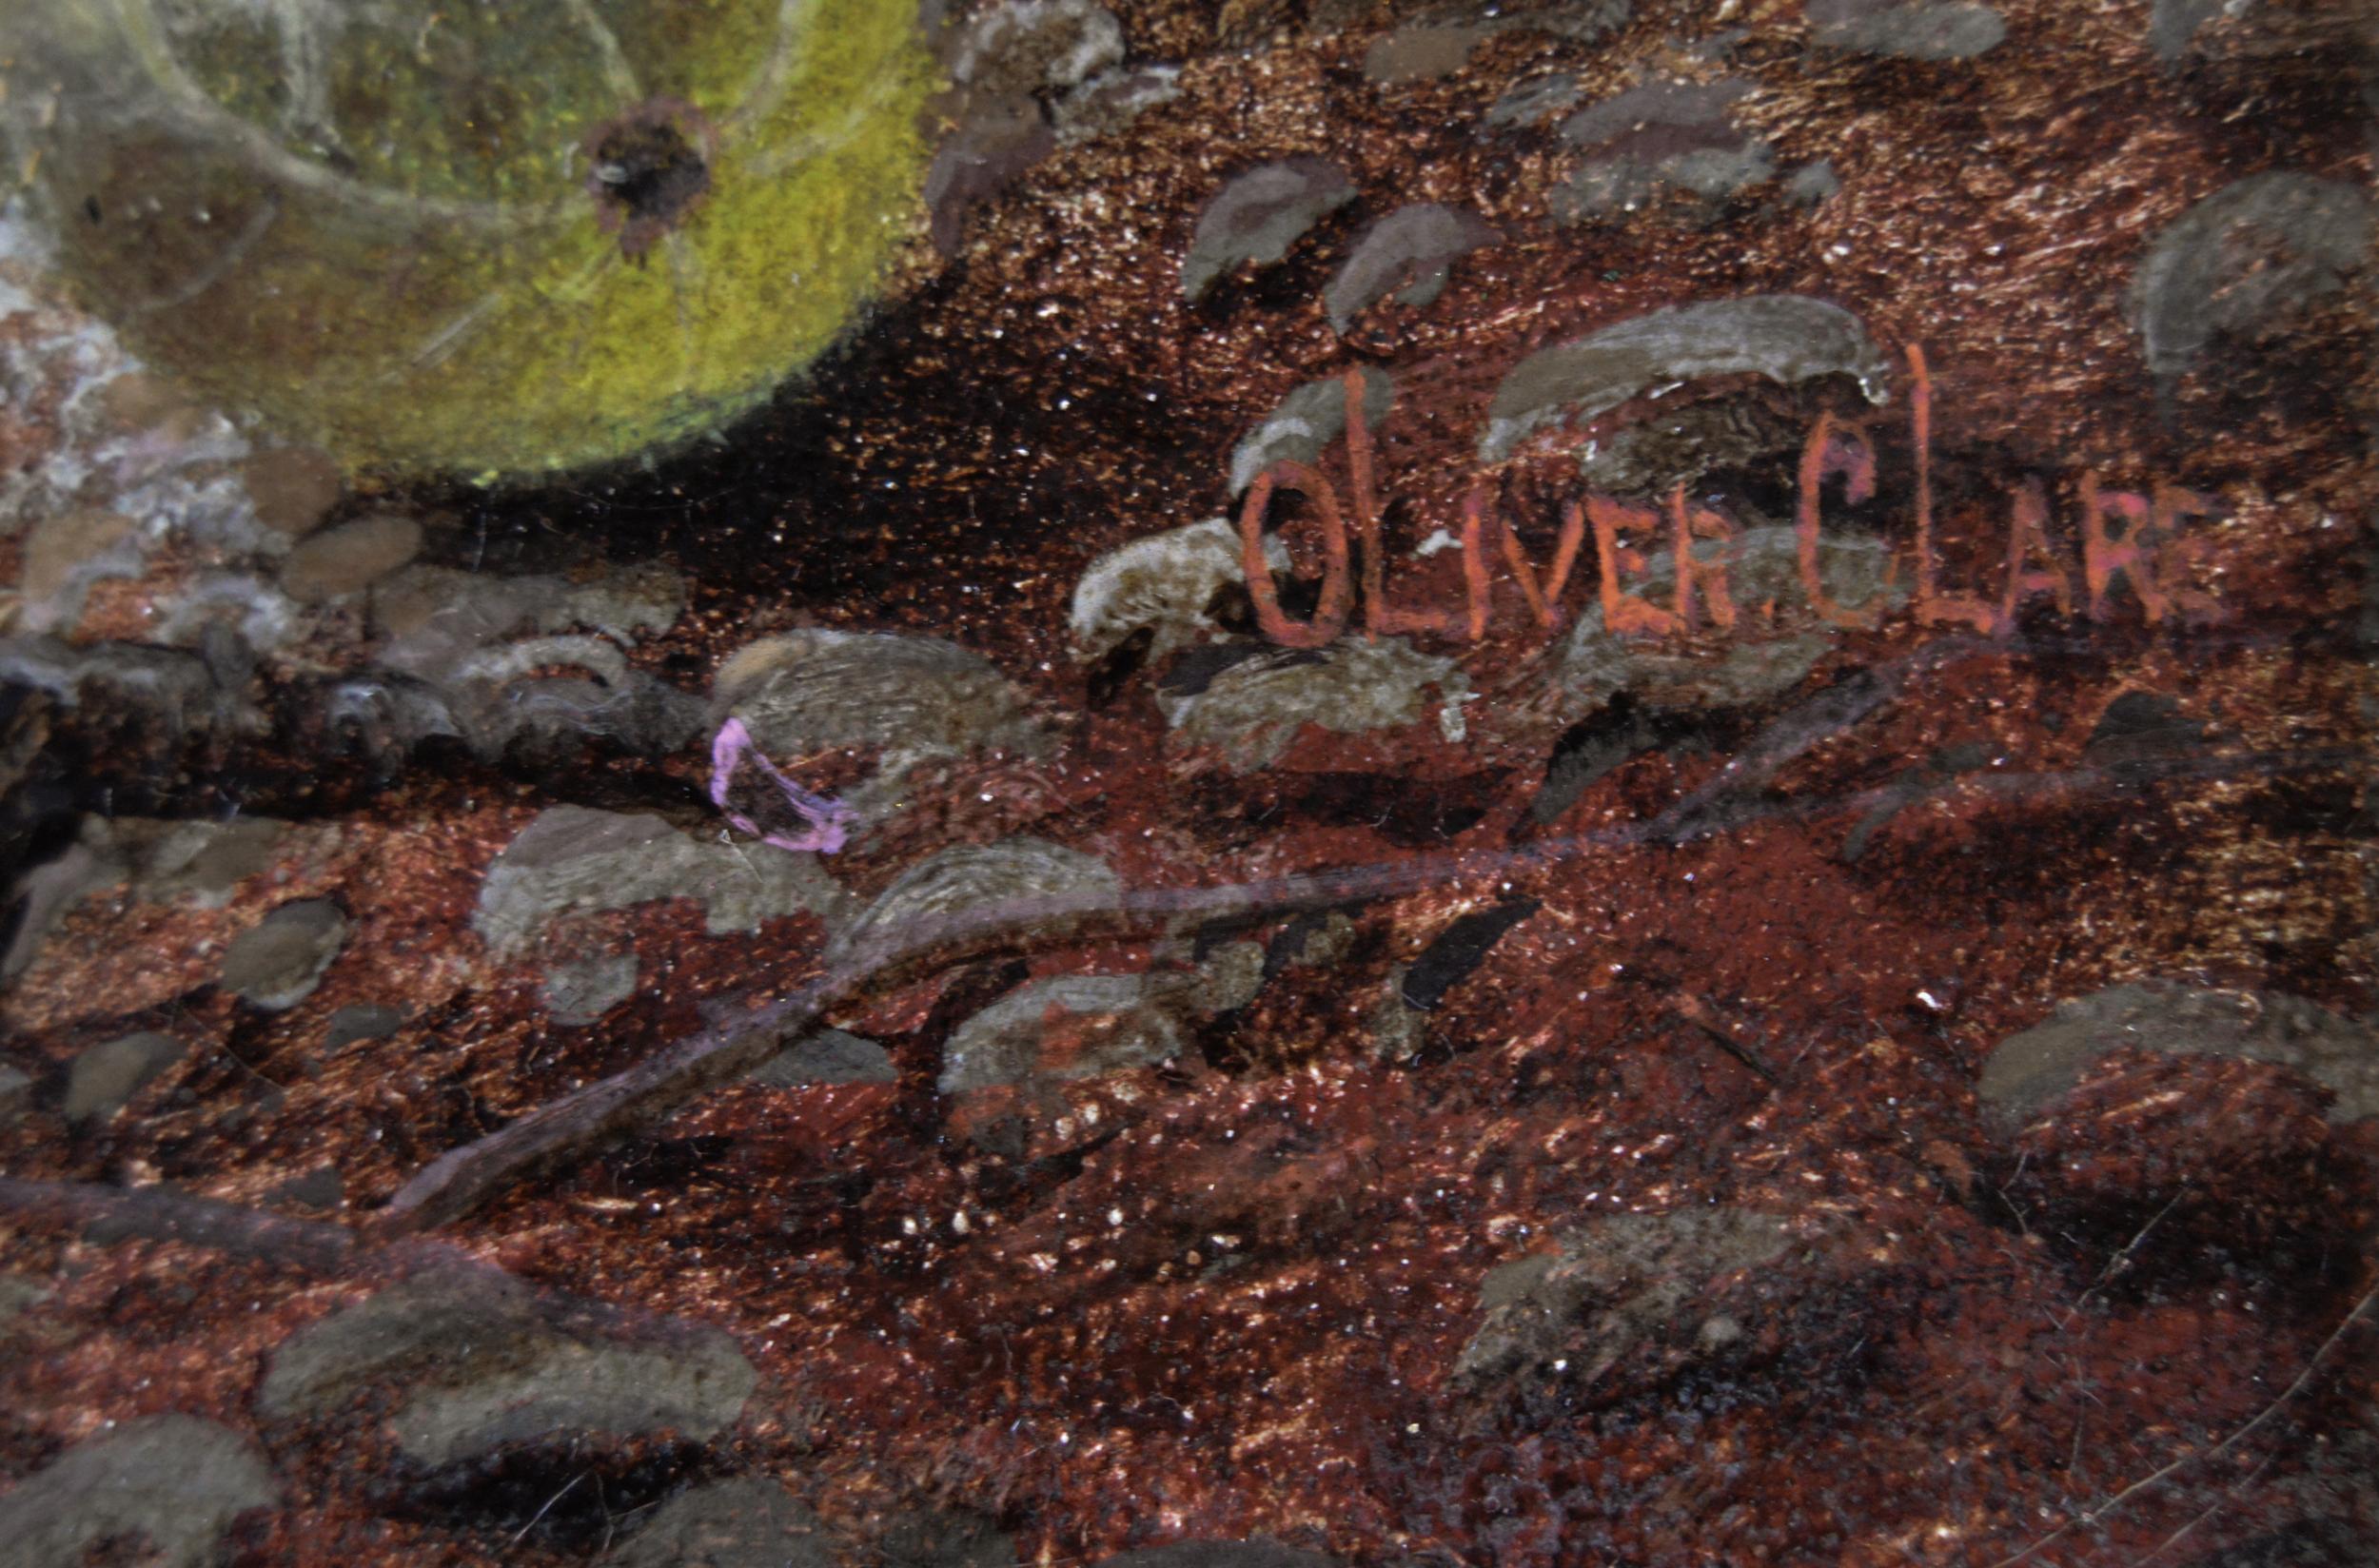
(382, 228)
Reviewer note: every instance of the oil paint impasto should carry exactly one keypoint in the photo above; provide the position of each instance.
(1188, 783)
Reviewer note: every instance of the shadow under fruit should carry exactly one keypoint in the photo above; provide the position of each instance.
(484, 239)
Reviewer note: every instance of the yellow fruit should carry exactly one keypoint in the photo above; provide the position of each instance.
(464, 236)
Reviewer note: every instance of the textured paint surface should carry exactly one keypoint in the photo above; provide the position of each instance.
(469, 240)
(1586, 1083)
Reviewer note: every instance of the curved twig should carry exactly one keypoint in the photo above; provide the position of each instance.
(320, 1247)
(463, 1178)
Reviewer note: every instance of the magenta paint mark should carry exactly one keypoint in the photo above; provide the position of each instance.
(827, 823)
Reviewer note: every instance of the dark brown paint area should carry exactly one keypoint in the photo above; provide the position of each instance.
(1629, 1193)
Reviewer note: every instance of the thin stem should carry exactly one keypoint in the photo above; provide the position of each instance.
(462, 1179)
(2091, 1516)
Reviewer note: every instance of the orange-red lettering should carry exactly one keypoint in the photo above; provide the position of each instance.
(2104, 554)
(2032, 565)
(1545, 599)
(1932, 607)
(2177, 553)
(1474, 571)
(1625, 613)
(1378, 614)
(1824, 453)
(1686, 525)
(1330, 616)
